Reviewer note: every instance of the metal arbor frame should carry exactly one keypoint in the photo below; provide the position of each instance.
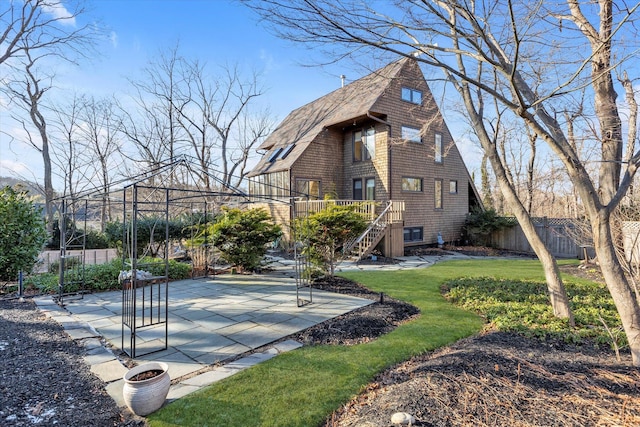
(302, 261)
(145, 285)
(145, 295)
(73, 242)
(145, 290)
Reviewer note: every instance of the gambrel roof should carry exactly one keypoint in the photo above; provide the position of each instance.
(302, 126)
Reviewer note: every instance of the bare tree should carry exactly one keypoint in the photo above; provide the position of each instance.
(219, 123)
(182, 110)
(475, 43)
(102, 143)
(32, 34)
(43, 26)
(152, 125)
(67, 145)
(27, 92)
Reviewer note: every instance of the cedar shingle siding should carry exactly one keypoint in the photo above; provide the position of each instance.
(323, 133)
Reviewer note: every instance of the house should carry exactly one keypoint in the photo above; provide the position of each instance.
(381, 138)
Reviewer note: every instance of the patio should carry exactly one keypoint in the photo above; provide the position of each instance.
(211, 321)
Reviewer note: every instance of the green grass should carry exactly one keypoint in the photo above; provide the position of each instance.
(302, 387)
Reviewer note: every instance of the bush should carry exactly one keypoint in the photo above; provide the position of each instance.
(93, 239)
(154, 228)
(242, 236)
(102, 277)
(327, 231)
(69, 264)
(155, 266)
(22, 234)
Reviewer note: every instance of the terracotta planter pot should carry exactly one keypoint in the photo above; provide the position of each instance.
(146, 396)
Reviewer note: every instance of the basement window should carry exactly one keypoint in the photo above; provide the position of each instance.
(413, 234)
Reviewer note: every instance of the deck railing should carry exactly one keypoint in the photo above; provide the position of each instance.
(370, 209)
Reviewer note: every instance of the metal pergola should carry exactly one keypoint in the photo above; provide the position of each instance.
(150, 200)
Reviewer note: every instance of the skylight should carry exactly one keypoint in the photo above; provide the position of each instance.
(287, 150)
(274, 154)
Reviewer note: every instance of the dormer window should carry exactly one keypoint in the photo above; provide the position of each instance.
(412, 95)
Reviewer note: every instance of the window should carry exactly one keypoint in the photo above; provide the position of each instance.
(438, 193)
(364, 145)
(286, 150)
(357, 189)
(413, 234)
(411, 134)
(438, 148)
(412, 95)
(411, 184)
(308, 187)
(369, 189)
(275, 184)
(453, 187)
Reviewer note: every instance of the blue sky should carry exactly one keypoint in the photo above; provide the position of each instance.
(213, 31)
(217, 32)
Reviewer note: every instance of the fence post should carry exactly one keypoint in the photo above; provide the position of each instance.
(545, 224)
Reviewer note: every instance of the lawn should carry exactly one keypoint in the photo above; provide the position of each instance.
(303, 387)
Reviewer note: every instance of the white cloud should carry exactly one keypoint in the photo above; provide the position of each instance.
(11, 168)
(113, 38)
(60, 12)
(270, 63)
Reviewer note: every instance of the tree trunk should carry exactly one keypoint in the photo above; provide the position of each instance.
(617, 283)
(557, 292)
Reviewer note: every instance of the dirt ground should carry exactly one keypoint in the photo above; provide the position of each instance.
(43, 378)
(500, 379)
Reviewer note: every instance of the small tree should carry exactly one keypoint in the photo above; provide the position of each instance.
(22, 233)
(328, 230)
(242, 236)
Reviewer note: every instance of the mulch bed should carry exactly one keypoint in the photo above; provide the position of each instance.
(502, 379)
(43, 379)
(361, 325)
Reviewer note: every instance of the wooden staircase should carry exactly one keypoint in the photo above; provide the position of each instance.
(362, 245)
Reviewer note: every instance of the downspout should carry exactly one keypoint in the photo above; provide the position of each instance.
(389, 180)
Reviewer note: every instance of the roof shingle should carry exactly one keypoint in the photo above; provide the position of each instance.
(302, 125)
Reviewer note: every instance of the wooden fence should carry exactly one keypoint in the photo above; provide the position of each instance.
(91, 256)
(554, 232)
